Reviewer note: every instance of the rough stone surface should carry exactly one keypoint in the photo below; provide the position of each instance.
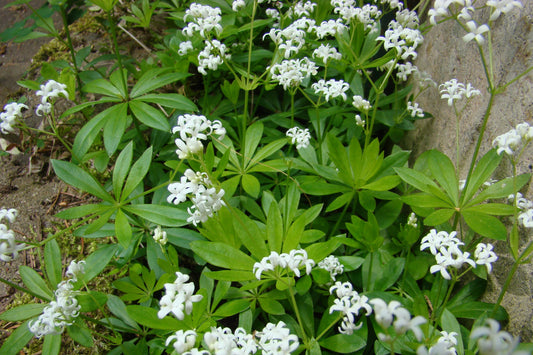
(445, 56)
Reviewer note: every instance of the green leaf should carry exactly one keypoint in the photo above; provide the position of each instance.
(424, 200)
(103, 87)
(474, 310)
(496, 209)
(391, 273)
(52, 262)
(113, 132)
(384, 184)
(168, 216)
(118, 308)
(254, 133)
(501, 189)
(97, 261)
(153, 79)
(274, 228)
(271, 306)
(250, 235)
(416, 179)
(450, 324)
(17, 340)
(343, 343)
(122, 166)
(340, 201)
(318, 251)
(79, 178)
(176, 101)
(52, 344)
(137, 173)
(388, 213)
(80, 335)
(88, 133)
(485, 225)
(439, 217)
(231, 275)
(231, 308)
(294, 235)
(338, 155)
(223, 255)
(23, 312)
(251, 185)
(149, 115)
(147, 316)
(482, 172)
(122, 229)
(91, 301)
(267, 151)
(35, 283)
(443, 171)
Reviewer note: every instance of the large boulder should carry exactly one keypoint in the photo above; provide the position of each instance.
(445, 56)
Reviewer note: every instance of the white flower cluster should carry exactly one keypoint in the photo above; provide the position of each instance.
(454, 90)
(160, 236)
(329, 28)
(331, 88)
(514, 140)
(445, 345)
(525, 218)
(193, 129)
(492, 340)
(236, 5)
(445, 247)
(327, 53)
(204, 196)
(50, 89)
(213, 55)
(359, 121)
(185, 47)
(10, 114)
(183, 340)
(301, 9)
(178, 298)
(404, 39)
(332, 265)
(8, 246)
(349, 303)
(274, 339)
(299, 136)
(205, 19)
(412, 220)
(62, 311)
(291, 73)
(368, 15)
(397, 316)
(292, 38)
(296, 259)
(361, 104)
(414, 110)
(441, 8)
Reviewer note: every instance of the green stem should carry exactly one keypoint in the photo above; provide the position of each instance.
(113, 28)
(70, 47)
(329, 327)
(297, 312)
(341, 217)
(369, 276)
(510, 276)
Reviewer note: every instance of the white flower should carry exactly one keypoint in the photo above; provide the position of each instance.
(205, 203)
(8, 117)
(277, 339)
(492, 341)
(359, 122)
(178, 298)
(414, 110)
(516, 138)
(236, 5)
(434, 241)
(440, 9)
(160, 236)
(223, 341)
(526, 218)
(452, 90)
(450, 256)
(205, 19)
(329, 28)
(327, 53)
(485, 256)
(185, 47)
(8, 247)
(476, 32)
(412, 220)
(75, 269)
(299, 136)
(349, 303)
(58, 313)
(404, 70)
(9, 214)
(183, 340)
(294, 261)
(52, 89)
(301, 9)
(331, 88)
(213, 55)
(502, 6)
(332, 265)
(521, 202)
(360, 103)
(291, 73)
(192, 130)
(386, 313)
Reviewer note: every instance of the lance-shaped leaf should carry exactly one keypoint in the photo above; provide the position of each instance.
(222, 255)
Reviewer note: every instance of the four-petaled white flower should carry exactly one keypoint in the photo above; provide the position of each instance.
(183, 340)
(51, 89)
(299, 136)
(476, 32)
(485, 256)
(397, 316)
(12, 111)
(492, 340)
(361, 104)
(331, 88)
(349, 303)
(294, 261)
(178, 298)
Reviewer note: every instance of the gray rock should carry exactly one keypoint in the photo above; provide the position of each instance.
(444, 56)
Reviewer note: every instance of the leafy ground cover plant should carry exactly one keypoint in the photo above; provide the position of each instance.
(267, 207)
